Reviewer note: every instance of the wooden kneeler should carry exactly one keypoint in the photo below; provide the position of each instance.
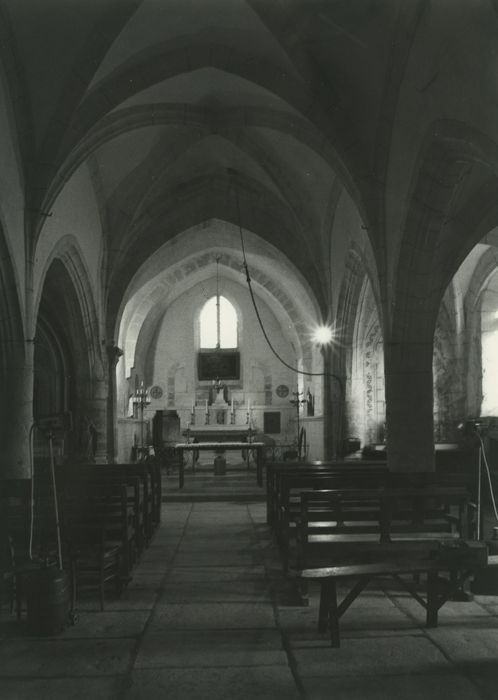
(438, 589)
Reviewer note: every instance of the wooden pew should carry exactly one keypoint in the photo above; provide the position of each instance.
(337, 525)
(154, 470)
(277, 475)
(148, 498)
(459, 561)
(150, 472)
(82, 501)
(288, 503)
(92, 477)
(291, 484)
(363, 534)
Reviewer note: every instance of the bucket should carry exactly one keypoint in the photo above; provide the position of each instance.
(47, 598)
(220, 465)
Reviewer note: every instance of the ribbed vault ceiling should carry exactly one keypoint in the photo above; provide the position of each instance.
(252, 112)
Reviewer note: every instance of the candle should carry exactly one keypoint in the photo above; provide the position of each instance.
(206, 405)
(193, 407)
(232, 405)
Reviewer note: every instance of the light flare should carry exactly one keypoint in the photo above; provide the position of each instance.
(323, 335)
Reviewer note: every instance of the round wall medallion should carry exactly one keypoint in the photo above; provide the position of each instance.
(156, 392)
(282, 391)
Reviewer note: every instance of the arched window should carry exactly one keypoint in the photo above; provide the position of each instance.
(489, 372)
(489, 347)
(489, 340)
(218, 324)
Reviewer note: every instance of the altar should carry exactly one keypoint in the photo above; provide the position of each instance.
(218, 433)
(220, 447)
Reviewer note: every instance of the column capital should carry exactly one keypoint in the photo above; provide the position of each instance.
(113, 353)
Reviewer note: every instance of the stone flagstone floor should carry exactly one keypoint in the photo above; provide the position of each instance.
(209, 614)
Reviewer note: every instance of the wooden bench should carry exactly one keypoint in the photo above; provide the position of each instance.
(147, 497)
(294, 484)
(285, 501)
(335, 525)
(94, 479)
(460, 560)
(277, 473)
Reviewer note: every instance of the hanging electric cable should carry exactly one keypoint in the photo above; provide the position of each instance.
(217, 303)
(263, 330)
(488, 474)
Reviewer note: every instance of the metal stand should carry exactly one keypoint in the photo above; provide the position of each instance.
(56, 507)
(479, 494)
(141, 400)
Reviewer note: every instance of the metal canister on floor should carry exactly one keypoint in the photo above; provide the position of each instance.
(48, 601)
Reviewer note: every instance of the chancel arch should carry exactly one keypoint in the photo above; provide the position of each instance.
(160, 330)
(169, 273)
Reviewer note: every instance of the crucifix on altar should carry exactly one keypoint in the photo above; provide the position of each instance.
(218, 401)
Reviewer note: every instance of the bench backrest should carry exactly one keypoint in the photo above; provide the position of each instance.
(379, 515)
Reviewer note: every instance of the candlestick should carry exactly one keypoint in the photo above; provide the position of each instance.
(141, 399)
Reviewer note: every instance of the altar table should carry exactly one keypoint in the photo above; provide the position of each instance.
(219, 448)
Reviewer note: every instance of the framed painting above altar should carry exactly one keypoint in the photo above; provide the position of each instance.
(218, 364)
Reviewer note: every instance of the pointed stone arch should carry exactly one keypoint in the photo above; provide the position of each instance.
(160, 295)
(65, 312)
(437, 232)
(16, 372)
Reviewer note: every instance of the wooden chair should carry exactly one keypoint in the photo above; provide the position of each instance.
(95, 556)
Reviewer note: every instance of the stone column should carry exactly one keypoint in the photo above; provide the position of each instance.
(97, 415)
(333, 407)
(113, 354)
(328, 434)
(409, 407)
(16, 411)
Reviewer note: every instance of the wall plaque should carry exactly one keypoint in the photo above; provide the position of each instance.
(271, 422)
(156, 392)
